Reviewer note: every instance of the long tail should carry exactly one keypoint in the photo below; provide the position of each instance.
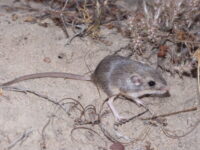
(47, 75)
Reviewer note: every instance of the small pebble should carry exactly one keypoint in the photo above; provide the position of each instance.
(61, 55)
(117, 146)
(47, 60)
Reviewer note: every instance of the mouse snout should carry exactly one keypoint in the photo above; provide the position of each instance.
(165, 90)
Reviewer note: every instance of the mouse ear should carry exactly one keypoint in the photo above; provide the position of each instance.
(136, 80)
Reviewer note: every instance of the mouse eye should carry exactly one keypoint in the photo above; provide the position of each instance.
(152, 83)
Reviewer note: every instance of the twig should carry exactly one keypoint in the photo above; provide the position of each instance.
(170, 114)
(21, 138)
(64, 25)
(175, 136)
(43, 144)
(107, 134)
(131, 118)
(65, 5)
(84, 128)
(196, 55)
(63, 20)
(75, 102)
(82, 30)
(111, 138)
(11, 88)
(186, 41)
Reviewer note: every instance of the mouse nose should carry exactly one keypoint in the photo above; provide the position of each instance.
(166, 89)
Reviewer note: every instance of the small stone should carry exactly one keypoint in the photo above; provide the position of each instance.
(117, 146)
(61, 55)
(47, 60)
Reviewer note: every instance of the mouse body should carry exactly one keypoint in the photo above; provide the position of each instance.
(115, 75)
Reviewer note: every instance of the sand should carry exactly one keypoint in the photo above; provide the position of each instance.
(29, 122)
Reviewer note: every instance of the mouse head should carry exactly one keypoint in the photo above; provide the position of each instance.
(149, 82)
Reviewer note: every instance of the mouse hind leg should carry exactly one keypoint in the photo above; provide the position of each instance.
(118, 117)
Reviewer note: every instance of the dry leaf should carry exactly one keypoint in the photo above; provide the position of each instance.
(30, 19)
(15, 17)
(162, 51)
(1, 92)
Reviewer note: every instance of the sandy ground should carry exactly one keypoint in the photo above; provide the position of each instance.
(29, 122)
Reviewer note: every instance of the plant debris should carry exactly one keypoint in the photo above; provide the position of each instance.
(170, 29)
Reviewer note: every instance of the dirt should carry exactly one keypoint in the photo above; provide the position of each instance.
(31, 122)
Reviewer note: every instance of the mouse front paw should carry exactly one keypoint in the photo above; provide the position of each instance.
(121, 120)
(139, 102)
